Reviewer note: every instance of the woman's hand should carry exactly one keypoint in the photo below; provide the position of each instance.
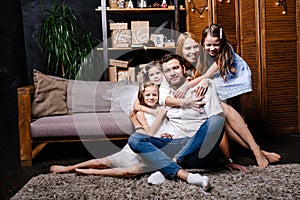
(201, 88)
(181, 91)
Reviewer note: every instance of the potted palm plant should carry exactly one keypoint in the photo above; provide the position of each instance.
(63, 41)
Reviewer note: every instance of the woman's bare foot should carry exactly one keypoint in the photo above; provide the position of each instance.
(271, 156)
(60, 169)
(261, 159)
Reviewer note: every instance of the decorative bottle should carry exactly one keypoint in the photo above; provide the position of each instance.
(164, 4)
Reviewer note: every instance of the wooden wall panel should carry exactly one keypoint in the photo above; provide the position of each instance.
(226, 17)
(280, 74)
(298, 58)
(194, 23)
(249, 51)
(269, 42)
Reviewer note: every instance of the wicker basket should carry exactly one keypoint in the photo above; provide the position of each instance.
(113, 4)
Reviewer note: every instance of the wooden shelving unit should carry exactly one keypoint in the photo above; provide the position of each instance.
(103, 9)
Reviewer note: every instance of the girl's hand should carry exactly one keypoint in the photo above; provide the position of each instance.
(153, 112)
(201, 88)
(161, 110)
(166, 135)
(234, 166)
(181, 91)
(195, 104)
(158, 111)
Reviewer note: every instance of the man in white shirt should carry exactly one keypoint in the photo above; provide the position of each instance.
(202, 127)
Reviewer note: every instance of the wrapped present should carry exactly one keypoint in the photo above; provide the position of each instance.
(112, 74)
(122, 74)
(139, 32)
(126, 74)
(118, 63)
(118, 26)
(121, 38)
(132, 72)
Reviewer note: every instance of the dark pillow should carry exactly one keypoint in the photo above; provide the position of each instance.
(50, 95)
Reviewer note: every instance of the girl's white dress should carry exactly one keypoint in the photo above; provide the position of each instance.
(122, 97)
(126, 157)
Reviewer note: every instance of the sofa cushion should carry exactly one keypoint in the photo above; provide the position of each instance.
(82, 125)
(88, 96)
(104, 96)
(50, 95)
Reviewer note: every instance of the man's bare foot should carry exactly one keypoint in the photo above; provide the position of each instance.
(60, 169)
(271, 156)
(261, 159)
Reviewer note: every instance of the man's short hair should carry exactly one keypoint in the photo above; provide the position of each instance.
(171, 56)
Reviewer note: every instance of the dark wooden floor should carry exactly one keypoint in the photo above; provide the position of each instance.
(13, 177)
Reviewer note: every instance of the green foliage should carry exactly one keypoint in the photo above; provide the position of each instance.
(64, 43)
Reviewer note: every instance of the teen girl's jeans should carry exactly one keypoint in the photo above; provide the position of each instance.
(190, 151)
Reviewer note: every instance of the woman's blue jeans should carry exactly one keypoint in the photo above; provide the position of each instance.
(191, 151)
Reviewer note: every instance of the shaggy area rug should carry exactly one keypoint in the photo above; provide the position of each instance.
(274, 182)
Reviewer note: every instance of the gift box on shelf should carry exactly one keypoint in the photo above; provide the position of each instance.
(128, 74)
(119, 70)
(118, 63)
(139, 32)
(132, 73)
(118, 26)
(121, 38)
(112, 74)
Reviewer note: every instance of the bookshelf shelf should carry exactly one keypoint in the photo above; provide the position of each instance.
(109, 51)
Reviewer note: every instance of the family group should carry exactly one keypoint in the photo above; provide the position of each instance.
(190, 104)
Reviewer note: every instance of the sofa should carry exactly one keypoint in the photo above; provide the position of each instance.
(59, 110)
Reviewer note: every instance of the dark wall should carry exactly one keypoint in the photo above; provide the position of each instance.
(33, 12)
(12, 65)
(20, 52)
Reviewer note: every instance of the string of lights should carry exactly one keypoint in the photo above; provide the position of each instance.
(227, 1)
(283, 3)
(204, 8)
(195, 9)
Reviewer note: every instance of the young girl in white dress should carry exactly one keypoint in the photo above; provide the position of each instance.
(125, 162)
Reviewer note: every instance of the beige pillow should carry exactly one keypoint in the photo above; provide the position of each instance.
(50, 95)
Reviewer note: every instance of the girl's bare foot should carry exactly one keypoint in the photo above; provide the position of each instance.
(261, 159)
(60, 169)
(271, 156)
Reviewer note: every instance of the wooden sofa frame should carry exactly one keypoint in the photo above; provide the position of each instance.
(29, 148)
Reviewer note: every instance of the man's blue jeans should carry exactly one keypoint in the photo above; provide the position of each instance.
(191, 151)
